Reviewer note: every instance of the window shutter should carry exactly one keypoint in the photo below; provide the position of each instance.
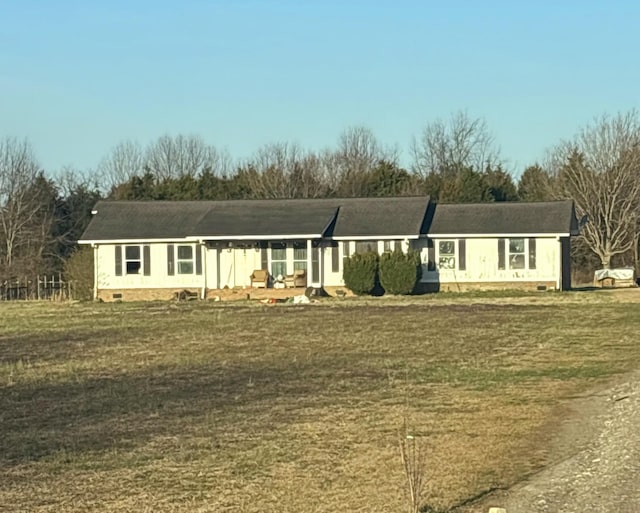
(335, 258)
(118, 260)
(146, 260)
(462, 258)
(431, 249)
(198, 259)
(170, 260)
(345, 249)
(532, 253)
(264, 259)
(315, 264)
(397, 245)
(501, 248)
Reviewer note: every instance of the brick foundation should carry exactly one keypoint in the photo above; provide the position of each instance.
(168, 294)
(141, 294)
(486, 285)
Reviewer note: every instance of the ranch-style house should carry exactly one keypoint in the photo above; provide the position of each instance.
(152, 249)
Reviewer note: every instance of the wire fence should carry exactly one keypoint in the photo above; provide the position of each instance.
(41, 287)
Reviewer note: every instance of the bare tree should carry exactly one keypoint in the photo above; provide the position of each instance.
(449, 147)
(175, 157)
(124, 162)
(25, 214)
(600, 171)
(358, 153)
(284, 170)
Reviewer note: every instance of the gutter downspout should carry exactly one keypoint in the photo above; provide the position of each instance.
(201, 247)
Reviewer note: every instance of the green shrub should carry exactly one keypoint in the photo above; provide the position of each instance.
(360, 272)
(399, 272)
(78, 268)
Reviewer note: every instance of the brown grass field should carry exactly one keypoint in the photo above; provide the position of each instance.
(244, 407)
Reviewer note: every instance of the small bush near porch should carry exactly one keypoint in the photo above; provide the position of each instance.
(399, 272)
(360, 273)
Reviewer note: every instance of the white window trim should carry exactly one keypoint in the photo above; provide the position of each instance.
(125, 260)
(509, 254)
(191, 260)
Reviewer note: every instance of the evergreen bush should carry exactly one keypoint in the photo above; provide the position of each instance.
(360, 272)
(399, 272)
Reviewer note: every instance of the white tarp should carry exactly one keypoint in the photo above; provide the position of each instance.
(624, 273)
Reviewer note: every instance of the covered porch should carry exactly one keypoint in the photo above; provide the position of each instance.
(270, 264)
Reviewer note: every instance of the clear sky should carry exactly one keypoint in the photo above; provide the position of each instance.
(78, 77)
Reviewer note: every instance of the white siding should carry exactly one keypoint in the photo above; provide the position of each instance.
(158, 278)
(482, 262)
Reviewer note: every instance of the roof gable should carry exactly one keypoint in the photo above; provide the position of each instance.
(384, 217)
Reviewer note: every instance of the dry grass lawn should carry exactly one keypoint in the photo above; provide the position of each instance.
(244, 407)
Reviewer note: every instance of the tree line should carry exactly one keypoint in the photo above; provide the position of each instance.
(454, 160)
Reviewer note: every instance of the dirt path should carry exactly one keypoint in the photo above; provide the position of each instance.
(600, 468)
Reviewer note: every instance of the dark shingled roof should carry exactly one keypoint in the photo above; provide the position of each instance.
(144, 219)
(357, 217)
(364, 217)
(347, 217)
(504, 218)
(265, 217)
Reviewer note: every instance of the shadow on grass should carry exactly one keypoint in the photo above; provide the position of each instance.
(56, 346)
(123, 412)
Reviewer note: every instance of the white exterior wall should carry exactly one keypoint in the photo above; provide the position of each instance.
(331, 278)
(482, 262)
(232, 267)
(159, 277)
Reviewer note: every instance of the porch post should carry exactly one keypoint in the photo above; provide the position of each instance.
(309, 264)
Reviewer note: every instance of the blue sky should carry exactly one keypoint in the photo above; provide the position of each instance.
(78, 77)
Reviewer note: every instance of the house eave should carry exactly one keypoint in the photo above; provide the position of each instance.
(494, 235)
(133, 241)
(375, 237)
(255, 237)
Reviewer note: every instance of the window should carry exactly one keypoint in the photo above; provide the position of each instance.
(185, 259)
(516, 254)
(447, 254)
(363, 246)
(278, 259)
(392, 245)
(132, 259)
(521, 254)
(299, 256)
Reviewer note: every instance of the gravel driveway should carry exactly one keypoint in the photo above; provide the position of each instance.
(603, 475)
